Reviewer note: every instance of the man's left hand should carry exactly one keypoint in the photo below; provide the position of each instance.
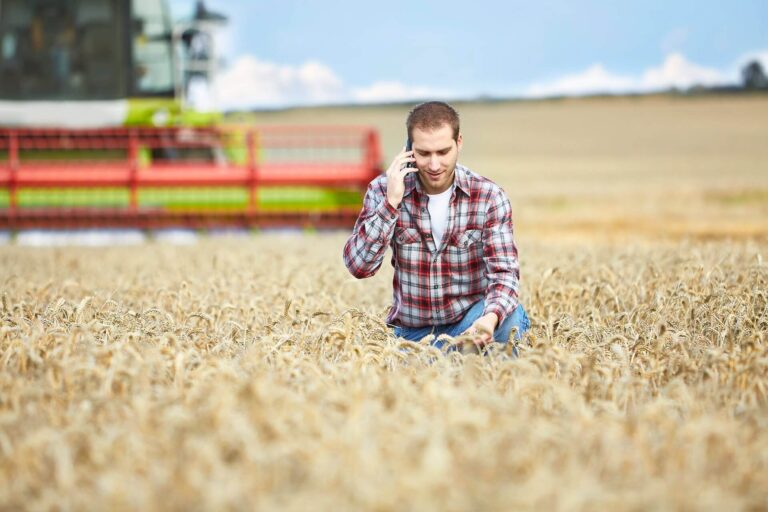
(482, 329)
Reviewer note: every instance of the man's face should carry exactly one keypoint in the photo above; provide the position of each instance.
(436, 153)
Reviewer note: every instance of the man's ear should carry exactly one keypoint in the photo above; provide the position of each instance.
(459, 141)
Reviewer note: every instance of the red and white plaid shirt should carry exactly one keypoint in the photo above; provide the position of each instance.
(437, 285)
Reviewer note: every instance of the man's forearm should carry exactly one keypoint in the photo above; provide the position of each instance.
(501, 262)
(503, 283)
(365, 249)
(500, 300)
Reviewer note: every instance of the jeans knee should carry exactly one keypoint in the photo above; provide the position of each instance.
(518, 321)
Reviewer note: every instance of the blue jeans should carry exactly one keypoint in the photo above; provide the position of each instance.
(518, 318)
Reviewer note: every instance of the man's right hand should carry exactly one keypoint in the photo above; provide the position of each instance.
(395, 176)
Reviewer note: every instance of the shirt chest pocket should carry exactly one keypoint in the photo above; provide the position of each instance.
(464, 254)
(407, 249)
(467, 239)
(407, 236)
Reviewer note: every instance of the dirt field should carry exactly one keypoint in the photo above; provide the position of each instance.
(255, 373)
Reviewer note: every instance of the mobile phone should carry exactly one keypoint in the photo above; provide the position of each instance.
(409, 147)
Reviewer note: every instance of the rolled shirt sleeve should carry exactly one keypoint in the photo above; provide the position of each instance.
(365, 248)
(500, 256)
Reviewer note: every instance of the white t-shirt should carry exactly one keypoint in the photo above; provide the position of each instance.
(438, 214)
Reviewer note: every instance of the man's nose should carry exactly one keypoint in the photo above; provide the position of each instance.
(434, 163)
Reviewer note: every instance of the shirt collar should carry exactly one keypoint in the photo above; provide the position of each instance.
(460, 179)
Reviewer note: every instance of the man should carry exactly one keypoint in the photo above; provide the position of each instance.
(455, 260)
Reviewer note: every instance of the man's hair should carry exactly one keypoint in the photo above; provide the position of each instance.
(431, 116)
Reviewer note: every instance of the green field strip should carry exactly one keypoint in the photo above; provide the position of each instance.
(280, 196)
(275, 198)
(76, 155)
(193, 197)
(73, 197)
(189, 198)
(297, 199)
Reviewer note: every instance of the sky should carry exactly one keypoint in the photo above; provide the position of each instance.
(289, 52)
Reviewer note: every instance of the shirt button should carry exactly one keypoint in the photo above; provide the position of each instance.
(423, 209)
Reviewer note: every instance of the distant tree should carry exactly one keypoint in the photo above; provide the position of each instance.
(754, 76)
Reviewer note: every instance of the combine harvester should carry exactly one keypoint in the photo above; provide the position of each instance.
(94, 132)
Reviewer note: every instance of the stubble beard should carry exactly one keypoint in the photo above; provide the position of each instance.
(427, 185)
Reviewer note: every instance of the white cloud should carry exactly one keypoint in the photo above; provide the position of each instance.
(251, 82)
(675, 71)
(594, 79)
(395, 91)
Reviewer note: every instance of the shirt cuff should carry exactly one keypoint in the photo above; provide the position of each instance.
(496, 310)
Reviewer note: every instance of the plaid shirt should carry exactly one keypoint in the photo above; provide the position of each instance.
(437, 285)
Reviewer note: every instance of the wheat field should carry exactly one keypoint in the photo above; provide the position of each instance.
(253, 373)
